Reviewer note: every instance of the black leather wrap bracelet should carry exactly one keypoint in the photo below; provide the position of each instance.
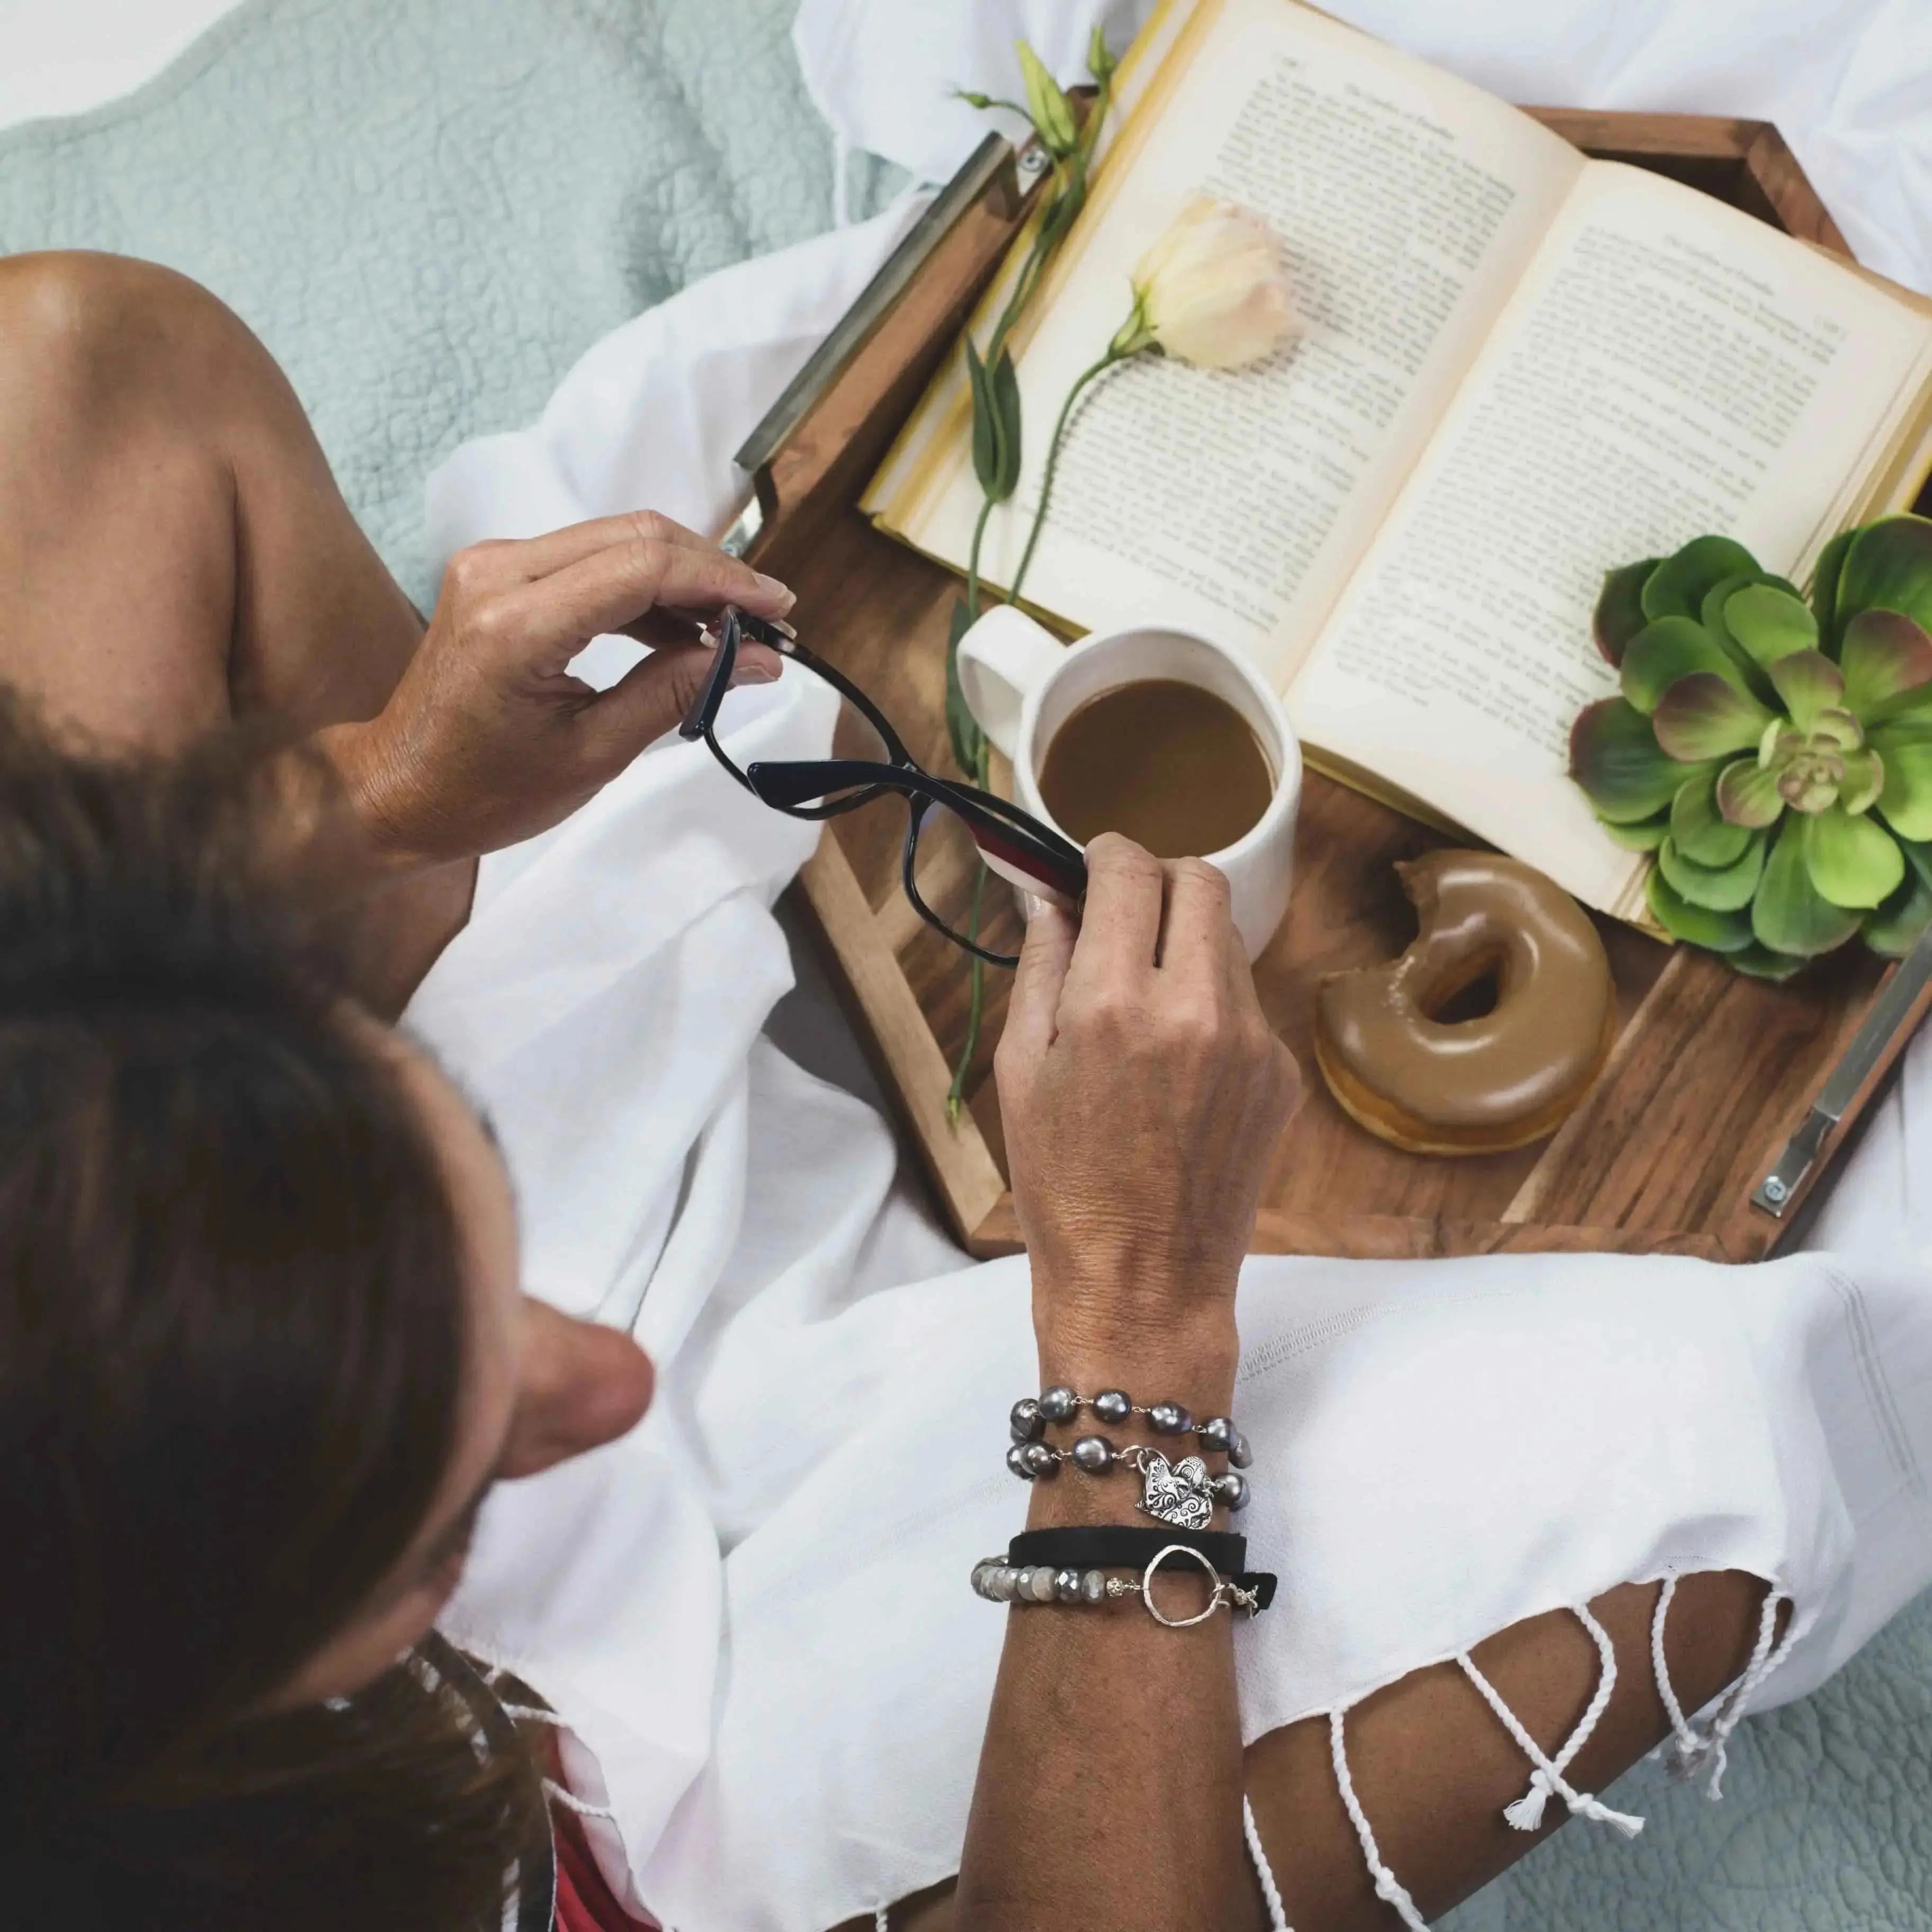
(1125, 1547)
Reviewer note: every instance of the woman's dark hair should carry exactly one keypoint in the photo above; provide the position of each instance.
(232, 1331)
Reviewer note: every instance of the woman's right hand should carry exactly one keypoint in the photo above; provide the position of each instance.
(1142, 1093)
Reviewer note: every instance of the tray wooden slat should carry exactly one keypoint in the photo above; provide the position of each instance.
(1711, 1072)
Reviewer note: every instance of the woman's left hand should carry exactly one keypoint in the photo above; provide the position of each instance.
(488, 739)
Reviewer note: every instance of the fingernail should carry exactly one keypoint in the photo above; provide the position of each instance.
(1031, 907)
(771, 587)
(751, 670)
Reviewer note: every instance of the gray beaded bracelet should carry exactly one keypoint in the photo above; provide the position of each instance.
(1218, 1435)
(1000, 1582)
(1181, 1493)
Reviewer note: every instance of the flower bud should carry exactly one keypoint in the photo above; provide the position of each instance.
(1214, 290)
(1052, 113)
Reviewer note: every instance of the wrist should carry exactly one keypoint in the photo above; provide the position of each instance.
(1166, 1349)
(379, 800)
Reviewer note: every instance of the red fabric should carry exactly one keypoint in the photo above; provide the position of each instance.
(584, 1903)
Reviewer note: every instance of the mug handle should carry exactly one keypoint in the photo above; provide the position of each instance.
(1001, 659)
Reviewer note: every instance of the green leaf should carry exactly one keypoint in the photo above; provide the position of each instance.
(1614, 755)
(1706, 716)
(1699, 832)
(1678, 585)
(1864, 782)
(1906, 803)
(1100, 62)
(962, 728)
(1004, 386)
(1711, 615)
(1663, 652)
(1746, 794)
(1769, 623)
(986, 421)
(1891, 930)
(1790, 914)
(1884, 657)
(1809, 682)
(1888, 567)
(1825, 590)
(1759, 962)
(1619, 613)
(1720, 931)
(1715, 888)
(1853, 862)
(1052, 113)
(1646, 836)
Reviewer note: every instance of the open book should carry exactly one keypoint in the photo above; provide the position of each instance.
(1516, 369)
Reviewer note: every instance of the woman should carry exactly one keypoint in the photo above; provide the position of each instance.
(265, 1355)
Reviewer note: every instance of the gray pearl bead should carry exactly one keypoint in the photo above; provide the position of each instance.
(1239, 1454)
(1004, 1585)
(1067, 1586)
(1094, 1587)
(1040, 1460)
(1026, 1420)
(1016, 1461)
(1169, 1418)
(1059, 1403)
(982, 1575)
(1215, 1434)
(1231, 1490)
(1094, 1453)
(1036, 1585)
(1112, 1405)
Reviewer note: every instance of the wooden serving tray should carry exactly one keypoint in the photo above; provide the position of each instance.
(1711, 1074)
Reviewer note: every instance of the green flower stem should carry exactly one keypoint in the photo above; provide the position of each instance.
(1113, 356)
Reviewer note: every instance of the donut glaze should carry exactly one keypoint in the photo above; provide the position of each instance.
(1482, 1085)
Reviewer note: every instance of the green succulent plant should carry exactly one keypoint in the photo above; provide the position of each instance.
(1776, 756)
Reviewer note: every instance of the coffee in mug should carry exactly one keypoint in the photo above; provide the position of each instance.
(1177, 769)
(1169, 736)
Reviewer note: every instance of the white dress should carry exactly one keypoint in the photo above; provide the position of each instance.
(753, 1613)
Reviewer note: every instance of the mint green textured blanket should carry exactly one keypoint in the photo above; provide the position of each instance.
(428, 209)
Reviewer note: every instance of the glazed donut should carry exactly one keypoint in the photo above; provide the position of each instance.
(1477, 1086)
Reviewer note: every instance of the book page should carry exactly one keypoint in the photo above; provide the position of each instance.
(1669, 366)
(1237, 503)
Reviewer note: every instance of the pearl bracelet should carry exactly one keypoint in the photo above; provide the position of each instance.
(1218, 1435)
(1182, 1493)
(1000, 1582)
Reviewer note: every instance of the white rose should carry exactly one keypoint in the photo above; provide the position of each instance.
(1214, 290)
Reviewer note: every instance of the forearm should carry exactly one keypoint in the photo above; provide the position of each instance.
(1109, 1791)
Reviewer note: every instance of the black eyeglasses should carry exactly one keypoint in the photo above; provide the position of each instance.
(1012, 843)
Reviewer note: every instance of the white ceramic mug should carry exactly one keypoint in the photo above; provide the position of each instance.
(1022, 684)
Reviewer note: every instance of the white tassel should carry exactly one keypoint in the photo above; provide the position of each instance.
(1526, 1813)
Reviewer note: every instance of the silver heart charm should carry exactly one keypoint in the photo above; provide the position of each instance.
(1176, 1492)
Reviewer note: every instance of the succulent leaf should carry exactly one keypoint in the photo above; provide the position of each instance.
(1664, 651)
(1715, 888)
(1699, 831)
(1706, 716)
(1906, 804)
(1644, 836)
(1769, 623)
(1747, 793)
(1825, 590)
(1809, 682)
(1891, 930)
(1720, 931)
(1759, 962)
(1790, 914)
(1852, 861)
(1836, 727)
(1678, 585)
(1614, 755)
(1888, 567)
(1712, 618)
(1864, 782)
(1884, 657)
(1619, 613)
